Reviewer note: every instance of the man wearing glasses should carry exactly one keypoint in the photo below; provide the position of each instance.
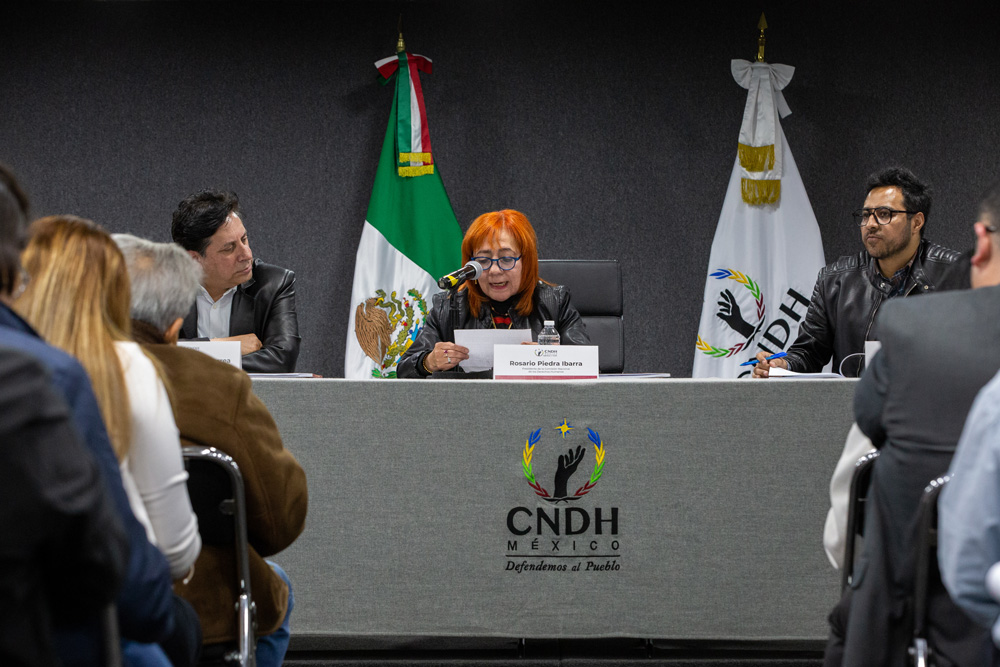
(896, 261)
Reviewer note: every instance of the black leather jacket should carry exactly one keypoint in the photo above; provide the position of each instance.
(846, 299)
(551, 302)
(264, 306)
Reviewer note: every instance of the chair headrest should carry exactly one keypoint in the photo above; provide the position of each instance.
(594, 284)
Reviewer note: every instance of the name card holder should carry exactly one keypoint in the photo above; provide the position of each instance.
(545, 362)
(227, 351)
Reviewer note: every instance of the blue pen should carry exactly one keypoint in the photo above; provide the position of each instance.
(773, 356)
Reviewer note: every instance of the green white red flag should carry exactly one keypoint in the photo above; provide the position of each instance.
(410, 237)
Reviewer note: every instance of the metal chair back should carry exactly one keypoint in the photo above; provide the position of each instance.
(215, 486)
(928, 515)
(860, 482)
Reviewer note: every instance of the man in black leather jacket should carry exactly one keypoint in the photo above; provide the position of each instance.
(897, 261)
(242, 299)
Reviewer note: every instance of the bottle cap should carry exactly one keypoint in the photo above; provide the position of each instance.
(549, 323)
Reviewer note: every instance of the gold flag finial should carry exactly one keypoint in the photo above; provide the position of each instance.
(762, 26)
(401, 45)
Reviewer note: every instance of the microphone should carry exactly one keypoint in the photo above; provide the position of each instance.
(471, 271)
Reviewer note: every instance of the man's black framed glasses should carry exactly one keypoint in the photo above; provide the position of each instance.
(505, 263)
(883, 215)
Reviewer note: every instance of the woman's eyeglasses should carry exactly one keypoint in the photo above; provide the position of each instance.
(505, 263)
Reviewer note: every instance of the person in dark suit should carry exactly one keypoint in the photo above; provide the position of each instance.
(242, 298)
(150, 617)
(164, 282)
(937, 353)
(64, 549)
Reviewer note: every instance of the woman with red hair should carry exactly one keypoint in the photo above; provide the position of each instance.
(508, 295)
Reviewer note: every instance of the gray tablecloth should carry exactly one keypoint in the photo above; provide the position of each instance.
(704, 522)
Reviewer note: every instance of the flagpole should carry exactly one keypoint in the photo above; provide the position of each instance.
(761, 26)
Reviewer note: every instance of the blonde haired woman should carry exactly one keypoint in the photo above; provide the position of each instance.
(78, 300)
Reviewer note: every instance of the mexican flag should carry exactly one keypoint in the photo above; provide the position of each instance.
(767, 249)
(410, 237)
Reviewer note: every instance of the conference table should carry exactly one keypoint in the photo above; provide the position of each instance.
(648, 508)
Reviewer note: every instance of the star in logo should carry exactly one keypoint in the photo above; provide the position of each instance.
(564, 427)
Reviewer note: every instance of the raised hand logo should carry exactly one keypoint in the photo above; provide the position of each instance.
(566, 466)
(729, 312)
(568, 463)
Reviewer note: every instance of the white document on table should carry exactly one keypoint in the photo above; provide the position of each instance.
(784, 374)
(481, 341)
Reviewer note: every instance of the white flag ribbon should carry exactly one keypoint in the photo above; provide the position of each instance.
(760, 152)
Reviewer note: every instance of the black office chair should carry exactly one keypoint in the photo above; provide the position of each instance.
(215, 486)
(595, 286)
(860, 483)
(926, 558)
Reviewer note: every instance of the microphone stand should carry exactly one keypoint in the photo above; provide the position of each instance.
(453, 324)
(453, 309)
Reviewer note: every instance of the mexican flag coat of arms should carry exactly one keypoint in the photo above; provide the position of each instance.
(410, 237)
(767, 249)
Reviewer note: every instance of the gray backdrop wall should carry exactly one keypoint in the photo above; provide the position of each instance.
(613, 126)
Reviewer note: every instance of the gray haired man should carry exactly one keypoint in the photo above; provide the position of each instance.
(165, 282)
(214, 406)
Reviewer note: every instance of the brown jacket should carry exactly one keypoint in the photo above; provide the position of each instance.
(214, 406)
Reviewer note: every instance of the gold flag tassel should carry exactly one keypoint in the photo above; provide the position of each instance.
(410, 164)
(420, 170)
(424, 157)
(756, 158)
(757, 192)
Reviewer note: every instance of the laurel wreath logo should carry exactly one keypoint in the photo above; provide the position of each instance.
(722, 274)
(595, 438)
(595, 475)
(529, 446)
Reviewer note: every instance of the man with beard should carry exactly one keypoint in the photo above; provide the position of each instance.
(896, 261)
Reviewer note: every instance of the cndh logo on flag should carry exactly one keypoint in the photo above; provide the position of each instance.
(386, 327)
(743, 313)
(566, 466)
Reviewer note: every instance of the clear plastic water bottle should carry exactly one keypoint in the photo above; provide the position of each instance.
(548, 335)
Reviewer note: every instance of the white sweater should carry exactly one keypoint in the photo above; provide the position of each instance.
(153, 472)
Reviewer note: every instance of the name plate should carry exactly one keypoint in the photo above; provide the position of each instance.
(227, 351)
(545, 362)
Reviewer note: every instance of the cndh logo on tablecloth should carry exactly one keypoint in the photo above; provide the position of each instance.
(565, 468)
(576, 536)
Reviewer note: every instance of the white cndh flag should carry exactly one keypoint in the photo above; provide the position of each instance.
(766, 254)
